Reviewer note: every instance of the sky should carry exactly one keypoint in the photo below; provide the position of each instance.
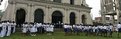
(95, 4)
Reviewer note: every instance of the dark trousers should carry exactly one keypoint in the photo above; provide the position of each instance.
(0, 29)
(12, 28)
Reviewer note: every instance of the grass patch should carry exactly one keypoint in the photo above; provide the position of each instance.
(58, 35)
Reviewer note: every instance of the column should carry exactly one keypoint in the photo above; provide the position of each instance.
(66, 16)
(77, 18)
(31, 13)
(46, 14)
(13, 14)
(8, 12)
(80, 17)
(49, 14)
(27, 19)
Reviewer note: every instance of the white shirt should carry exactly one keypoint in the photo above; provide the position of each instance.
(69, 26)
(101, 27)
(118, 25)
(74, 26)
(33, 29)
(104, 27)
(65, 26)
(86, 27)
(51, 28)
(0, 25)
(80, 27)
(24, 28)
(47, 27)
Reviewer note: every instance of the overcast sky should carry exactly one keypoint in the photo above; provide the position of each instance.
(95, 4)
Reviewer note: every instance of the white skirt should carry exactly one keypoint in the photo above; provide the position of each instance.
(24, 30)
(33, 30)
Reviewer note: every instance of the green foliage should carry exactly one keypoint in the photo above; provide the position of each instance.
(1, 13)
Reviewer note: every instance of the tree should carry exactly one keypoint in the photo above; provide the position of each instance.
(1, 14)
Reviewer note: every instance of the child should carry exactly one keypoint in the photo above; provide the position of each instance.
(3, 32)
(9, 29)
(24, 29)
(65, 29)
(119, 28)
(0, 29)
(33, 29)
(50, 29)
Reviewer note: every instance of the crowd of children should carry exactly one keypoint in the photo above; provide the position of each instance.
(103, 30)
(33, 28)
(7, 28)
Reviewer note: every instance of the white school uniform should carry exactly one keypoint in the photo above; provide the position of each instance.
(3, 32)
(33, 29)
(74, 26)
(51, 28)
(104, 27)
(37, 25)
(9, 29)
(29, 26)
(79, 27)
(86, 28)
(118, 26)
(69, 26)
(94, 28)
(14, 25)
(65, 26)
(101, 27)
(24, 30)
(111, 27)
(46, 27)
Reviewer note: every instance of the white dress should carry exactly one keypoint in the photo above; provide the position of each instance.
(33, 29)
(65, 26)
(14, 25)
(3, 32)
(51, 28)
(24, 28)
(119, 26)
(46, 27)
(9, 29)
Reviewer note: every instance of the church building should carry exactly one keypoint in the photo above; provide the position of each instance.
(48, 11)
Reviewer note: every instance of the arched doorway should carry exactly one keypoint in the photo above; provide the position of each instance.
(57, 18)
(83, 19)
(20, 16)
(39, 16)
(72, 18)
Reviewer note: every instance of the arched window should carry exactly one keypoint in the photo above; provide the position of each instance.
(59, 1)
(84, 19)
(57, 19)
(39, 16)
(72, 18)
(72, 2)
(20, 16)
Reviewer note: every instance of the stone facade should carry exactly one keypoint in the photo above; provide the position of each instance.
(80, 8)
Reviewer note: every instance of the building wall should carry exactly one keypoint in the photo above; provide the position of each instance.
(76, 2)
(48, 9)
